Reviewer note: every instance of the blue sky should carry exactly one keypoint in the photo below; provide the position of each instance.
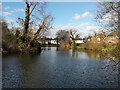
(64, 12)
(68, 15)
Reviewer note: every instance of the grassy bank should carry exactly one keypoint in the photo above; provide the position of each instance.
(96, 46)
(113, 50)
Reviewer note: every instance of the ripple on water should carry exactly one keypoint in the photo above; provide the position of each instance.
(57, 69)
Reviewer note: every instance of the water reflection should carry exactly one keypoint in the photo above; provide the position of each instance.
(88, 54)
(56, 68)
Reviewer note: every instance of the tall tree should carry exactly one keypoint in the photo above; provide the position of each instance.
(110, 12)
(73, 35)
(62, 35)
(34, 13)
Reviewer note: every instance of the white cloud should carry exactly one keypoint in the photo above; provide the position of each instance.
(108, 18)
(19, 10)
(92, 15)
(7, 13)
(84, 24)
(91, 28)
(85, 14)
(7, 8)
(10, 21)
(76, 16)
(84, 29)
(0, 5)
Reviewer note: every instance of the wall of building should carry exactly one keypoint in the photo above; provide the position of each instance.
(79, 41)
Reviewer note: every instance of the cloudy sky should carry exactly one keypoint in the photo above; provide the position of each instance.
(68, 15)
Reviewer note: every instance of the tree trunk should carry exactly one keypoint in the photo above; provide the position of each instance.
(33, 38)
(119, 25)
(26, 24)
(117, 51)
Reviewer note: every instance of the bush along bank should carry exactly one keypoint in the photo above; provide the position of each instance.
(97, 46)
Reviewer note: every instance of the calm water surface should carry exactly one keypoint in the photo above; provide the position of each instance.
(57, 68)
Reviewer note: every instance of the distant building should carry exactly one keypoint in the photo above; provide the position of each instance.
(48, 41)
(88, 39)
(111, 38)
(98, 38)
(53, 41)
(79, 40)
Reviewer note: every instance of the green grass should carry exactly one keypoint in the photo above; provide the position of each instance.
(109, 48)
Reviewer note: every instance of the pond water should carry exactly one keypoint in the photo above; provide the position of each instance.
(58, 68)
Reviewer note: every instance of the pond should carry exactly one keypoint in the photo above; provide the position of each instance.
(58, 68)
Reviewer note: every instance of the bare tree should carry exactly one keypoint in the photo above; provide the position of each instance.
(73, 34)
(62, 35)
(34, 13)
(111, 12)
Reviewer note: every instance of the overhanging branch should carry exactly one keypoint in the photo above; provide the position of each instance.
(33, 8)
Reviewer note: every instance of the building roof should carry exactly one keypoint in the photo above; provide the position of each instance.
(78, 39)
(48, 38)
